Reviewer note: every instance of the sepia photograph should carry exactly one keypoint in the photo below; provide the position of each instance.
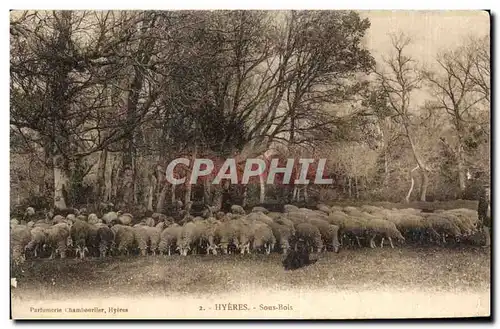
(250, 164)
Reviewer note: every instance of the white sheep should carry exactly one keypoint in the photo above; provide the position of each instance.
(126, 219)
(20, 236)
(329, 233)
(260, 209)
(262, 237)
(310, 235)
(106, 238)
(324, 208)
(56, 238)
(124, 238)
(93, 219)
(81, 232)
(110, 218)
(148, 236)
(235, 209)
(189, 239)
(385, 229)
(168, 238)
(290, 208)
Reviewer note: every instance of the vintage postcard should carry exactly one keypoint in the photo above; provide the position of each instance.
(250, 164)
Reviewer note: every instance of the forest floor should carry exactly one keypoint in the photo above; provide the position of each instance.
(460, 275)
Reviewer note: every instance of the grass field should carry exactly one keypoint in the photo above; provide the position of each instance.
(418, 267)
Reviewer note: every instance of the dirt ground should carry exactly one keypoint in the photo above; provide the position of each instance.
(437, 271)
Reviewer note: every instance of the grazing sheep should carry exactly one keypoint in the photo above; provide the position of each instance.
(189, 239)
(148, 236)
(286, 222)
(28, 214)
(210, 234)
(297, 217)
(274, 215)
(124, 238)
(353, 227)
(235, 232)
(72, 217)
(290, 208)
(126, 219)
(260, 209)
(13, 222)
(283, 235)
(60, 219)
(468, 217)
(220, 215)
(106, 238)
(310, 235)
(260, 237)
(336, 208)
(329, 233)
(235, 209)
(323, 208)
(92, 241)
(413, 227)
(460, 221)
(20, 236)
(385, 229)
(110, 218)
(337, 218)
(443, 225)
(37, 240)
(80, 232)
(93, 219)
(159, 217)
(260, 216)
(148, 222)
(168, 238)
(42, 223)
(56, 238)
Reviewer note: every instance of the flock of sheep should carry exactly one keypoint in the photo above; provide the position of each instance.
(260, 231)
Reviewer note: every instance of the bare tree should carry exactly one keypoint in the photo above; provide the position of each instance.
(461, 87)
(400, 80)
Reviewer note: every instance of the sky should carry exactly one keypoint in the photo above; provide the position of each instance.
(431, 31)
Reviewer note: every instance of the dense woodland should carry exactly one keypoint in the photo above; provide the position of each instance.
(102, 101)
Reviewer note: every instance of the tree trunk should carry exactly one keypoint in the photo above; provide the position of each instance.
(219, 194)
(101, 176)
(461, 170)
(349, 186)
(407, 199)
(262, 182)
(206, 191)
(60, 182)
(356, 185)
(189, 186)
(245, 196)
(386, 168)
(160, 204)
(425, 184)
(115, 179)
(173, 197)
(150, 188)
